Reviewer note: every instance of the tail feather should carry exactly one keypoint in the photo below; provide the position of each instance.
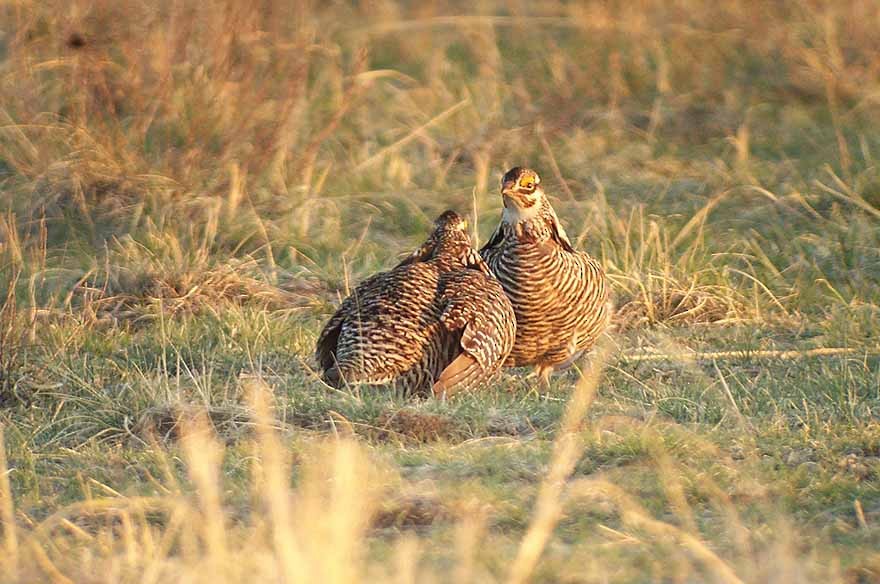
(463, 373)
(333, 377)
(345, 374)
(341, 375)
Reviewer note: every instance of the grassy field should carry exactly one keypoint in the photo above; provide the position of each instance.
(188, 189)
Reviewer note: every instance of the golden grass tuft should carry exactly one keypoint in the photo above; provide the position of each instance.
(147, 295)
(663, 274)
(142, 282)
(675, 305)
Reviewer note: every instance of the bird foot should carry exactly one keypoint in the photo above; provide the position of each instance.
(542, 373)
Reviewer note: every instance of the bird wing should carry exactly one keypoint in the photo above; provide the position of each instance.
(596, 308)
(463, 373)
(559, 234)
(481, 356)
(423, 253)
(494, 241)
(325, 348)
(469, 306)
(472, 260)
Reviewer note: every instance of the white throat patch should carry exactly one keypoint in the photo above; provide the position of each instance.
(513, 214)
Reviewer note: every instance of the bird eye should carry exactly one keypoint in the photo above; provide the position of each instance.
(527, 182)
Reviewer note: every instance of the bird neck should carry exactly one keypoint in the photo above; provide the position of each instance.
(532, 223)
(451, 244)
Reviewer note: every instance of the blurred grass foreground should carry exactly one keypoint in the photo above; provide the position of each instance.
(187, 188)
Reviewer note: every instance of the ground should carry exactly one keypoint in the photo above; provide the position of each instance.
(188, 190)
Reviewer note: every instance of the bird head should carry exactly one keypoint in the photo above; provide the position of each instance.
(450, 233)
(451, 241)
(450, 221)
(521, 189)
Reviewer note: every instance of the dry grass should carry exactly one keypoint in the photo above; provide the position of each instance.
(187, 187)
(139, 288)
(321, 528)
(407, 424)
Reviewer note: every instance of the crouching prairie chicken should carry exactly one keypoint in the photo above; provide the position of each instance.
(437, 322)
(559, 295)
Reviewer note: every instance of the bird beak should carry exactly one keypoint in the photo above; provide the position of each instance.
(511, 198)
(508, 187)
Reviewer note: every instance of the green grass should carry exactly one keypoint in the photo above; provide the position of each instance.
(188, 190)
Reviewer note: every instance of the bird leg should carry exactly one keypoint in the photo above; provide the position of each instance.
(543, 371)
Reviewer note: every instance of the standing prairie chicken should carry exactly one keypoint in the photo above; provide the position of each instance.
(436, 322)
(559, 295)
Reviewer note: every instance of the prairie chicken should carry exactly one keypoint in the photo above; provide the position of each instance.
(438, 322)
(559, 295)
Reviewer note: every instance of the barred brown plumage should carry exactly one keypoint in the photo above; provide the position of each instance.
(560, 296)
(436, 322)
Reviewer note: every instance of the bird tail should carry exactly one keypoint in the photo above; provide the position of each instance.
(463, 373)
(333, 377)
(342, 374)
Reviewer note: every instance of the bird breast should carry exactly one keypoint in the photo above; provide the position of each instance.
(541, 277)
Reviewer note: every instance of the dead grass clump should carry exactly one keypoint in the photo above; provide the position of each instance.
(75, 177)
(698, 122)
(862, 468)
(169, 422)
(674, 307)
(144, 293)
(508, 424)
(11, 343)
(410, 512)
(411, 425)
(663, 273)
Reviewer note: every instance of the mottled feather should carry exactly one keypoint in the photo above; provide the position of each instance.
(407, 325)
